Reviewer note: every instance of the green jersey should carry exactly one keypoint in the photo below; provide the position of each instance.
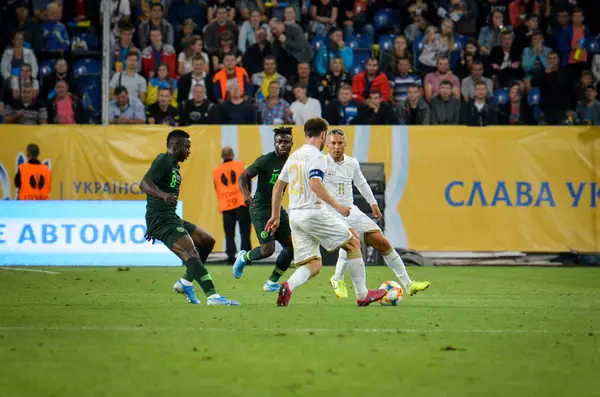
(164, 172)
(267, 168)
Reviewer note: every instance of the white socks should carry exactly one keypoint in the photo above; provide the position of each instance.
(300, 276)
(394, 261)
(358, 274)
(356, 267)
(341, 265)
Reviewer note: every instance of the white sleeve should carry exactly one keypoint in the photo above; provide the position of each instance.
(125, 8)
(284, 175)
(114, 80)
(317, 167)
(143, 84)
(362, 185)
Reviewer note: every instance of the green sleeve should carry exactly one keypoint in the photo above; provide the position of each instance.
(256, 167)
(159, 168)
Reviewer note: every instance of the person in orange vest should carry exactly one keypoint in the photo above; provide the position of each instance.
(33, 178)
(231, 202)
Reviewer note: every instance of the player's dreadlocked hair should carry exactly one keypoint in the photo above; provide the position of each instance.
(283, 131)
(176, 134)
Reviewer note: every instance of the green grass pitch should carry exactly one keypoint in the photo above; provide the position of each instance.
(90, 332)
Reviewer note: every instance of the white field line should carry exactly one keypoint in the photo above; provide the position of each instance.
(20, 269)
(295, 330)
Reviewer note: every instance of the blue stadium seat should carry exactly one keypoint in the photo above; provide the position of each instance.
(386, 42)
(46, 68)
(593, 45)
(533, 99)
(87, 67)
(318, 42)
(359, 42)
(386, 46)
(417, 46)
(357, 68)
(461, 41)
(501, 96)
(386, 18)
(365, 41)
(90, 40)
(360, 57)
(352, 41)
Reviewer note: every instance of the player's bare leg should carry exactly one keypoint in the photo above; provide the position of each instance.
(378, 241)
(184, 248)
(300, 276)
(204, 243)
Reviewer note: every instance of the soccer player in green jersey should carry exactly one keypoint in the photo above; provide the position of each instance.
(161, 185)
(267, 168)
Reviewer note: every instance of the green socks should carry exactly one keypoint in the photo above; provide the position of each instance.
(282, 263)
(197, 271)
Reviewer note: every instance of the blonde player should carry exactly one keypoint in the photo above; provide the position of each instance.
(311, 223)
(342, 172)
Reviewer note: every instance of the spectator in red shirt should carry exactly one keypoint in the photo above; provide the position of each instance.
(372, 79)
(158, 53)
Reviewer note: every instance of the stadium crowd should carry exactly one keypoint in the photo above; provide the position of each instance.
(184, 62)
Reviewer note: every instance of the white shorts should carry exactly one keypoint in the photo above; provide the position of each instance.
(314, 227)
(359, 222)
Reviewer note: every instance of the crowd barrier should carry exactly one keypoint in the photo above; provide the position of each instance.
(532, 189)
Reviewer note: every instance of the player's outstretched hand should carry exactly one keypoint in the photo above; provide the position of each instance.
(249, 202)
(376, 212)
(170, 198)
(344, 210)
(272, 225)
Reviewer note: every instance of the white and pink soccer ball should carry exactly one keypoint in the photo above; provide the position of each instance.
(393, 297)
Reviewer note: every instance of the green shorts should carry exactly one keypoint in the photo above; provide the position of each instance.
(167, 228)
(260, 217)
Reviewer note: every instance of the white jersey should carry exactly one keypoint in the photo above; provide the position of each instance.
(339, 178)
(302, 165)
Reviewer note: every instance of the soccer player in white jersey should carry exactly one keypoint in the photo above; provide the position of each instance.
(311, 223)
(342, 172)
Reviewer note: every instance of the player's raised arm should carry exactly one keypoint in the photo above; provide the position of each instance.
(365, 190)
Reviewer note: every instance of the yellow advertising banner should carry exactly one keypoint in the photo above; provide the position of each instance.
(529, 189)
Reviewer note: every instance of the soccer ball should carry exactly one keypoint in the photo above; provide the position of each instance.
(394, 293)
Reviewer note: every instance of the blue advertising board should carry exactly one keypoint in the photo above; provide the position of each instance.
(79, 233)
